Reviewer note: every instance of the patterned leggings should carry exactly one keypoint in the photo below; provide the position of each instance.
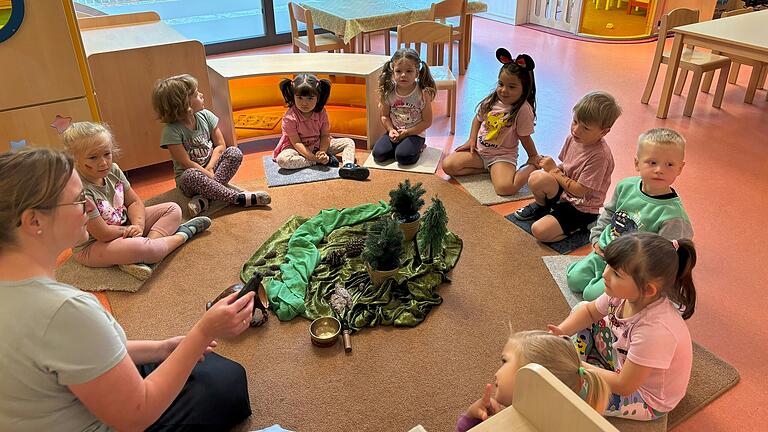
(595, 346)
(193, 182)
(292, 159)
(162, 218)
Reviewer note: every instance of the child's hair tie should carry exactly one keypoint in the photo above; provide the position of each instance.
(675, 244)
(523, 60)
(582, 371)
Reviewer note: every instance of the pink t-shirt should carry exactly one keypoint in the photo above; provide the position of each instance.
(592, 166)
(500, 134)
(658, 338)
(309, 129)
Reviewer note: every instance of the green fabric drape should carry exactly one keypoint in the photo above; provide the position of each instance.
(303, 285)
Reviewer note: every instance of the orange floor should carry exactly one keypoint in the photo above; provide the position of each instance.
(723, 184)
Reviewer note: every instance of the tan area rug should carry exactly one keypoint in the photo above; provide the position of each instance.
(481, 188)
(394, 378)
(112, 278)
(711, 376)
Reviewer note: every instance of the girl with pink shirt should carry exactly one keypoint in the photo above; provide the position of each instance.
(505, 118)
(636, 338)
(306, 139)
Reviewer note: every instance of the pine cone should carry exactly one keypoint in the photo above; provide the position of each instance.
(335, 258)
(355, 247)
(271, 254)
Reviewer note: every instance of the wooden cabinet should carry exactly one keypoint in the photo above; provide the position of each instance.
(126, 55)
(41, 77)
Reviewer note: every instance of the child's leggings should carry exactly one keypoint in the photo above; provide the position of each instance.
(292, 159)
(586, 276)
(405, 152)
(162, 218)
(595, 346)
(193, 182)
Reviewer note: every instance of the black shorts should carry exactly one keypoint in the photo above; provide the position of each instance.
(571, 219)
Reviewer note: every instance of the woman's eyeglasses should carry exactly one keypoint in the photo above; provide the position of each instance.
(80, 201)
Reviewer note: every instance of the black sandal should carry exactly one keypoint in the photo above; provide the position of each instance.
(260, 313)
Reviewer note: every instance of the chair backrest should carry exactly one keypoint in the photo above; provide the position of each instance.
(299, 14)
(447, 9)
(430, 33)
(735, 12)
(675, 18)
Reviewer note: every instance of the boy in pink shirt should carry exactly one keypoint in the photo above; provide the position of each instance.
(568, 197)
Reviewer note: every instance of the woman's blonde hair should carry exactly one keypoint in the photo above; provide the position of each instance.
(559, 356)
(170, 98)
(50, 169)
(82, 136)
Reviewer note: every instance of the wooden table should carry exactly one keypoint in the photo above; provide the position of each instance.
(350, 18)
(222, 70)
(744, 35)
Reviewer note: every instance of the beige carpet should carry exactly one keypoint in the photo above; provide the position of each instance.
(395, 378)
(112, 278)
(481, 188)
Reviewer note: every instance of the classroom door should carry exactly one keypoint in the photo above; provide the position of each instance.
(561, 15)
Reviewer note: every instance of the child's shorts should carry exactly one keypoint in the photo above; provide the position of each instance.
(570, 218)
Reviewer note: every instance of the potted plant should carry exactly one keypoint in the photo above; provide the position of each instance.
(383, 249)
(433, 229)
(406, 202)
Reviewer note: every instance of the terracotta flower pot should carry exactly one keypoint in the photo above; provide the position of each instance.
(410, 229)
(379, 276)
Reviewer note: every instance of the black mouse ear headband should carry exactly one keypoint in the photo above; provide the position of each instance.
(523, 60)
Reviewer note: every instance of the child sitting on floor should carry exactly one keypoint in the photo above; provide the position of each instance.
(306, 139)
(505, 118)
(568, 197)
(556, 354)
(202, 161)
(645, 203)
(406, 92)
(634, 336)
(121, 230)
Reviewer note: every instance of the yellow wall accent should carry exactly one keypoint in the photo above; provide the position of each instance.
(77, 42)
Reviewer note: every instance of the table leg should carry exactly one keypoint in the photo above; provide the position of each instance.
(669, 79)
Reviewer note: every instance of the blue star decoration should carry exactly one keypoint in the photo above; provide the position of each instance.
(15, 145)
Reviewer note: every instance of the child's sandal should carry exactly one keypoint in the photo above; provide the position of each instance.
(197, 205)
(258, 198)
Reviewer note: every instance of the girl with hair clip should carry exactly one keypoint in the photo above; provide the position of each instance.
(306, 139)
(406, 91)
(122, 231)
(635, 335)
(202, 161)
(557, 354)
(504, 118)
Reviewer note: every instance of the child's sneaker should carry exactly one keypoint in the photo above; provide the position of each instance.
(140, 271)
(251, 199)
(333, 161)
(194, 226)
(531, 211)
(353, 171)
(197, 205)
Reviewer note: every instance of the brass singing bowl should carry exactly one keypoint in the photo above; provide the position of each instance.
(324, 331)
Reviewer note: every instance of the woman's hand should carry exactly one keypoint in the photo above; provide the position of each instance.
(167, 346)
(228, 317)
(132, 231)
(486, 406)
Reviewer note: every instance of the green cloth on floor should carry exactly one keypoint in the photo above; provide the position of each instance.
(404, 300)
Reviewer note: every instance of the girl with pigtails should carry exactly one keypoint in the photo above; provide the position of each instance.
(306, 139)
(406, 91)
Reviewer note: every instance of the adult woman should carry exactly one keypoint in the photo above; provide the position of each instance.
(65, 363)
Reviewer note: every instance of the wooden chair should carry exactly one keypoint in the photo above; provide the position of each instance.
(384, 33)
(440, 11)
(311, 42)
(691, 60)
(435, 36)
(759, 69)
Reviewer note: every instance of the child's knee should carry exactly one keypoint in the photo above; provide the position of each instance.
(505, 189)
(406, 158)
(233, 153)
